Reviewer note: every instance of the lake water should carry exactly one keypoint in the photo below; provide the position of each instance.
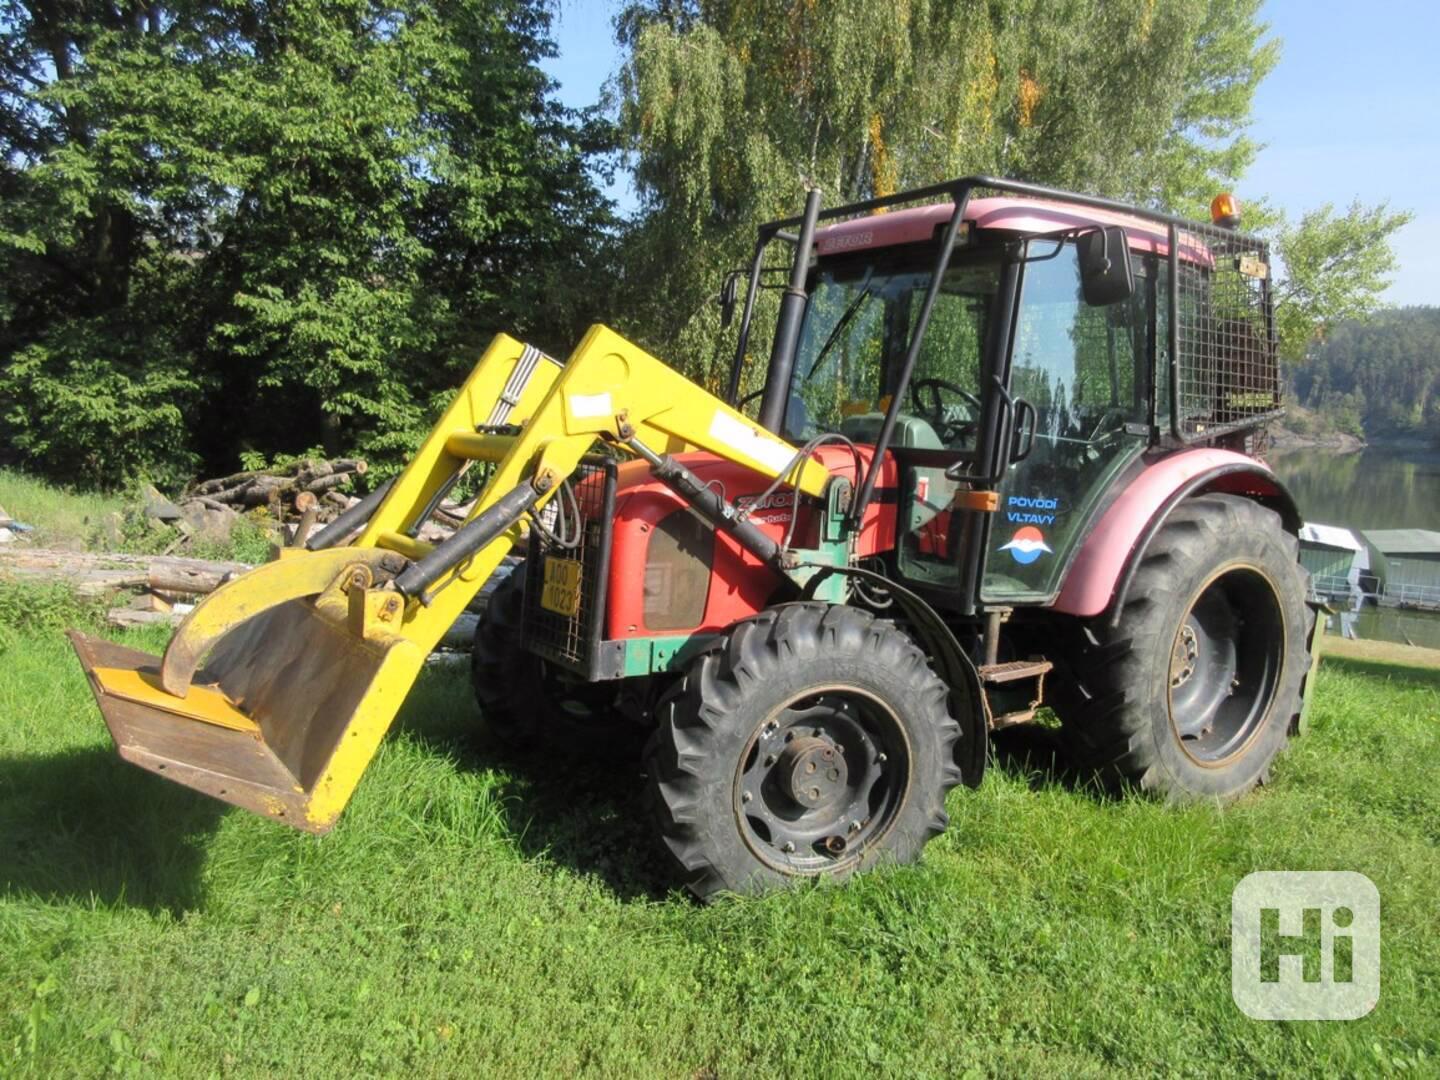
(1369, 490)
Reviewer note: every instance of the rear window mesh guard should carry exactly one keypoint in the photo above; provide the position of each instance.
(1224, 372)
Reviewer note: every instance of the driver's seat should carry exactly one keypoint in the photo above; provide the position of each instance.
(911, 431)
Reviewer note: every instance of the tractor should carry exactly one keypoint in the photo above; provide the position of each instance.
(1004, 454)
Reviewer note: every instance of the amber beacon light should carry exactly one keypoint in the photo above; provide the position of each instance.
(1225, 210)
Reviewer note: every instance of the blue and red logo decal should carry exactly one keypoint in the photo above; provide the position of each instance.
(1027, 545)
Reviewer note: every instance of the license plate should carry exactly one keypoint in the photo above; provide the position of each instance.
(561, 593)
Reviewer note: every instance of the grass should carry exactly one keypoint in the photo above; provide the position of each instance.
(476, 915)
(73, 520)
(61, 517)
(1381, 652)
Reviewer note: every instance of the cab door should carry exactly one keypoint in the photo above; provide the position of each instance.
(1080, 381)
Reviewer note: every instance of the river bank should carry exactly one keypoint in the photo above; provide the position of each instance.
(1415, 448)
(1284, 441)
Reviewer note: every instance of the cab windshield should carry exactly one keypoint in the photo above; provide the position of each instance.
(857, 329)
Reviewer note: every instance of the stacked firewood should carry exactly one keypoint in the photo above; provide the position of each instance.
(288, 492)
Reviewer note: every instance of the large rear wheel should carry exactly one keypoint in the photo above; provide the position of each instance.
(813, 740)
(1195, 689)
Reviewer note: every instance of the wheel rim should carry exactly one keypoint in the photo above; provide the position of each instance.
(1225, 665)
(821, 780)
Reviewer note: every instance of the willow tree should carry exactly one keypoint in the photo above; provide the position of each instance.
(733, 108)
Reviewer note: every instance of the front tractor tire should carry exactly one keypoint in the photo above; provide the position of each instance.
(812, 740)
(526, 704)
(1194, 691)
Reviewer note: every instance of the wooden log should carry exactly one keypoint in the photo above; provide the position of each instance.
(129, 618)
(306, 523)
(170, 574)
(221, 483)
(312, 471)
(93, 573)
(149, 601)
(300, 474)
(322, 484)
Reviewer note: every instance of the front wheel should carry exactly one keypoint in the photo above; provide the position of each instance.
(526, 704)
(1194, 691)
(813, 740)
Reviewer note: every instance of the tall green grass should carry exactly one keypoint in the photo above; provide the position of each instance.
(477, 915)
(79, 520)
(60, 516)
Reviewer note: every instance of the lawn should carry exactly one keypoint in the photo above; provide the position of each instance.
(476, 914)
(60, 518)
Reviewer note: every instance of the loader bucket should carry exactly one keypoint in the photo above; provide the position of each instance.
(281, 720)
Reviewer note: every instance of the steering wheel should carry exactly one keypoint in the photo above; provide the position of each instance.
(949, 430)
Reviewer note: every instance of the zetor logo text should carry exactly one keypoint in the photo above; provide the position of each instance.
(1305, 945)
(759, 509)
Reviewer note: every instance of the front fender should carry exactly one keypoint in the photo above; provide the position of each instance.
(1101, 570)
(968, 703)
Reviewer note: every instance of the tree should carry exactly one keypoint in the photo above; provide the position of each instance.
(1380, 374)
(730, 111)
(1336, 266)
(275, 225)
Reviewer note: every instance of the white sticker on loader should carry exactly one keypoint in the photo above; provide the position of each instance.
(745, 439)
(589, 406)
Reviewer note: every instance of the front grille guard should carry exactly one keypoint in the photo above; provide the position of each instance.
(573, 642)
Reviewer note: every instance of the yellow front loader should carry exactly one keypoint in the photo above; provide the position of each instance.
(276, 690)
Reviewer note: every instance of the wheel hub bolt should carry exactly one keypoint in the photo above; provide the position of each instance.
(811, 772)
(747, 797)
(788, 847)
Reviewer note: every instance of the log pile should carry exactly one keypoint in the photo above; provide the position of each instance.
(288, 492)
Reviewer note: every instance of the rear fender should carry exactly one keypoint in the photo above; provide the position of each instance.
(1101, 572)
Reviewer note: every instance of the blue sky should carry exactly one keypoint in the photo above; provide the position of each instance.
(1351, 111)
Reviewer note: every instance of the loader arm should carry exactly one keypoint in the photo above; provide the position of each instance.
(275, 692)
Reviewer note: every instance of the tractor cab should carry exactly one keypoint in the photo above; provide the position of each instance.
(1016, 372)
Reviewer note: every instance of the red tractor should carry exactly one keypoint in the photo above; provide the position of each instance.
(1039, 410)
(1004, 456)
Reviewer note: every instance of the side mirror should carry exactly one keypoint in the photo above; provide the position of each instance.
(727, 298)
(1105, 276)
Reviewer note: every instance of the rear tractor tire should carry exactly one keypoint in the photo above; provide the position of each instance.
(812, 740)
(1193, 693)
(527, 704)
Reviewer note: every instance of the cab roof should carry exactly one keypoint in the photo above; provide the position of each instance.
(1026, 217)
